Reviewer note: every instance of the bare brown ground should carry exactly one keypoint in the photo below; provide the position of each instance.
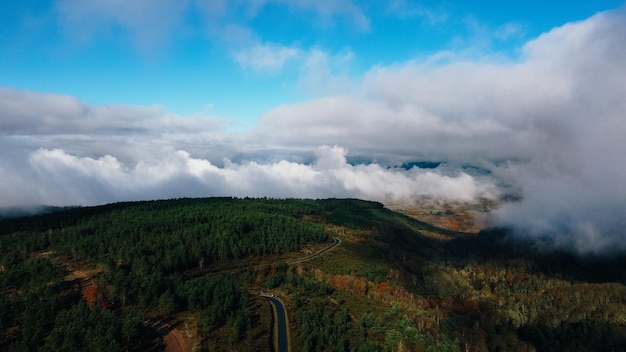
(172, 338)
(461, 217)
(174, 342)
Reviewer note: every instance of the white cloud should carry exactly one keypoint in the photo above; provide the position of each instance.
(374, 127)
(154, 24)
(60, 151)
(267, 57)
(324, 9)
(509, 30)
(33, 113)
(556, 116)
(62, 178)
(323, 73)
(329, 8)
(408, 9)
(320, 73)
(149, 22)
(550, 123)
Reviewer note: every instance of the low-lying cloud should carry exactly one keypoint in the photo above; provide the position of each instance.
(550, 123)
(60, 178)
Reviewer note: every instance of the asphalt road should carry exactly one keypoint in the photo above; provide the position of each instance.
(283, 345)
(317, 254)
(283, 341)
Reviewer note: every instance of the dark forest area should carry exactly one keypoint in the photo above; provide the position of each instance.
(100, 278)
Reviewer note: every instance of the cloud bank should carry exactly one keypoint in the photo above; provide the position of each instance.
(550, 123)
(61, 179)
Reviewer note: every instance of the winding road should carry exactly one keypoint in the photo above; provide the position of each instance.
(172, 337)
(281, 323)
(318, 253)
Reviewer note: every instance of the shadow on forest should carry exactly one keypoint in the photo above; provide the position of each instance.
(594, 336)
(499, 245)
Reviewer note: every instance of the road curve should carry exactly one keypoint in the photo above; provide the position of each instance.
(172, 338)
(233, 270)
(281, 315)
(175, 342)
(318, 253)
(281, 320)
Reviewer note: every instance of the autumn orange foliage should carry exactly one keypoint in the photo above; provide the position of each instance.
(94, 296)
(348, 283)
(90, 295)
(382, 286)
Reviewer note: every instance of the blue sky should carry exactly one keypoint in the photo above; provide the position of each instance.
(112, 100)
(239, 59)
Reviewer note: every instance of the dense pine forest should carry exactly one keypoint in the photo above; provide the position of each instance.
(108, 278)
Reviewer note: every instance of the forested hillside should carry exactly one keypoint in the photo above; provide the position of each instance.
(102, 278)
